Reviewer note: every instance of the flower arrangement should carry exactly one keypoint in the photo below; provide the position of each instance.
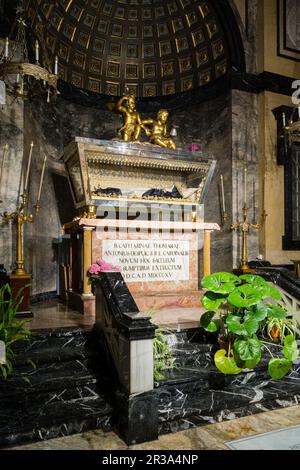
(101, 265)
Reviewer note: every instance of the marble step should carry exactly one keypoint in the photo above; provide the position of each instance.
(87, 391)
(53, 354)
(194, 402)
(196, 349)
(192, 354)
(52, 377)
(57, 346)
(57, 339)
(225, 414)
(207, 375)
(36, 422)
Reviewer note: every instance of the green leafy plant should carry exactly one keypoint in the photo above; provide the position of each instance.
(11, 329)
(238, 307)
(280, 328)
(163, 357)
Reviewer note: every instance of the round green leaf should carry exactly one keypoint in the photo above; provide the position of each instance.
(251, 324)
(238, 360)
(244, 328)
(252, 363)
(275, 311)
(290, 349)
(254, 279)
(278, 368)
(248, 349)
(260, 311)
(220, 283)
(235, 325)
(225, 364)
(245, 296)
(206, 321)
(212, 301)
(268, 291)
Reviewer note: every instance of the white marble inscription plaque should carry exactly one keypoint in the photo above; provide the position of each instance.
(149, 260)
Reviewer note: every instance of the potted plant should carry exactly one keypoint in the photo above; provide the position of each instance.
(278, 329)
(11, 330)
(237, 308)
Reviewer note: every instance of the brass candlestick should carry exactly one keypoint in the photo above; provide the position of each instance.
(245, 227)
(224, 218)
(20, 216)
(264, 215)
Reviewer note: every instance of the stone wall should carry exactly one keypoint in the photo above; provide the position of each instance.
(210, 125)
(11, 133)
(245, 132)
(51, 127)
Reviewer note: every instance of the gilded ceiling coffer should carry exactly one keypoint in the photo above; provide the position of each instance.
(151, 48)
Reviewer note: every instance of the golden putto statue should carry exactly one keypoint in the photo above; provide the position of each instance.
(156, 130)
(132, 123)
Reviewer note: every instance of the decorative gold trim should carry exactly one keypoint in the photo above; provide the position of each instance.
(145, 162)
(145, 199)
(88, 212)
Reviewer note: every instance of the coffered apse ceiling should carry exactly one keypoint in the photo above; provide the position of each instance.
(152, 47)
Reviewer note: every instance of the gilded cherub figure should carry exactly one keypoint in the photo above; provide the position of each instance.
(132, 123)
(158, 130)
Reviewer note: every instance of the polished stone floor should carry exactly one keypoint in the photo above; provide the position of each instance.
(55, 314)
(178, 317)
(211, 437)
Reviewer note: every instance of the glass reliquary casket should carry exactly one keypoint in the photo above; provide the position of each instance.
(107, 172)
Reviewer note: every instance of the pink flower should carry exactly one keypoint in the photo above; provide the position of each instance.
(194, 147)
(94, 269)
(101, 266)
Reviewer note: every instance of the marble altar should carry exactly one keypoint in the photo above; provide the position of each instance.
(156, 240)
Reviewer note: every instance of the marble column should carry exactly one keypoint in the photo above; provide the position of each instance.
(11, 133)
(245, 154)
(87, 259)
(206, 253)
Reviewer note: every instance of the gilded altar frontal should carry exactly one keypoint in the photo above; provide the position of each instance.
(149, 227)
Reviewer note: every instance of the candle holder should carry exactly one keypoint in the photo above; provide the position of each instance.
(245, 227)
(19, 278)
(37, 208)
(5, 149)
(20, 216)
(264, 216)
(224, 218)
(223, 207)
